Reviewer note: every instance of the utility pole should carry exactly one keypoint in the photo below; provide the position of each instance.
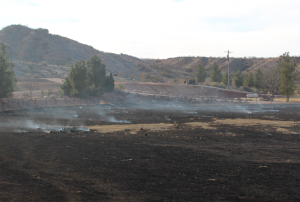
(228, 65)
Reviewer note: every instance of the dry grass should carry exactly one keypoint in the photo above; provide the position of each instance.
(296, 99)
(131, 128)
(280, 126)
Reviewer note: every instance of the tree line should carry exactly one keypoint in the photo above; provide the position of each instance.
(280, 79)
(85, 78)
(88, 79)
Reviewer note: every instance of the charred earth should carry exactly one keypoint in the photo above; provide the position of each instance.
(151, 153)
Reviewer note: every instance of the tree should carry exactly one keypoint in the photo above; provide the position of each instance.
(215, 74)
(7, 75)
(67, 87)
(225, 79)
(258, 79)
(201, 74)
(249, 80)
(78, 78)
(286, 68)
(110, 83)
(87, 79)
(270, 80)
(42, 93)
(238, 79)
(96, 71)
(192, 81)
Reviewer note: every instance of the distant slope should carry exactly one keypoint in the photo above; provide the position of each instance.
(40, 53)
(37, 52)
(186, 66)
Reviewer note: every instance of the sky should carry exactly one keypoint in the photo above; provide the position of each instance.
(166, 28)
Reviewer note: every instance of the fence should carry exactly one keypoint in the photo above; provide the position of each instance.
(17, 104)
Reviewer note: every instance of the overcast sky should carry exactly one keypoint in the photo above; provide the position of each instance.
(166, 28)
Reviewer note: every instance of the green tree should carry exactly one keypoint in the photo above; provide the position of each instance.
(110, 83)
(225, 79)
(78, 78)
(286, 68)
(192, 81)
(238, 79)
(7, 75)
(96, 71)
(201, 74)
(66, 86)
(258, 79)
(215, 74)
(249, 80)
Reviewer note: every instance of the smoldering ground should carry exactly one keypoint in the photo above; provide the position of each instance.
(168, 152)
(66, 119)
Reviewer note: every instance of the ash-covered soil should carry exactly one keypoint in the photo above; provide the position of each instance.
(151, 153)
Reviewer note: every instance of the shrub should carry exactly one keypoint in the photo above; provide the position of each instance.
(245, 88)
(61, 93)
(192, 81)
(218, 85)
(121, 87)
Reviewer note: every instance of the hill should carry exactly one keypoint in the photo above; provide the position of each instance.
(38, 52)
(186, 66)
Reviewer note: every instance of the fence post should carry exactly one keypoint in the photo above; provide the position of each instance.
(2, 105)
(74, 100)
(34, 102)
(18, 104)
(65, 100)
(46, 102)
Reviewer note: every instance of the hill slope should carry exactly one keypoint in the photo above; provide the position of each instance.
(37, 52)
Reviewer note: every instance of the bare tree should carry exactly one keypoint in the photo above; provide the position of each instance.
(270, 81)
(31, 83)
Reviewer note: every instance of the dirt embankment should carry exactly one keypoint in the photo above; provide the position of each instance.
(179, 90)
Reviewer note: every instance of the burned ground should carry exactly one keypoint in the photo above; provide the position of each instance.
(133, 153)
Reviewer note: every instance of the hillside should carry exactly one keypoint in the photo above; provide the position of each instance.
(186, 66)
(38, 52)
